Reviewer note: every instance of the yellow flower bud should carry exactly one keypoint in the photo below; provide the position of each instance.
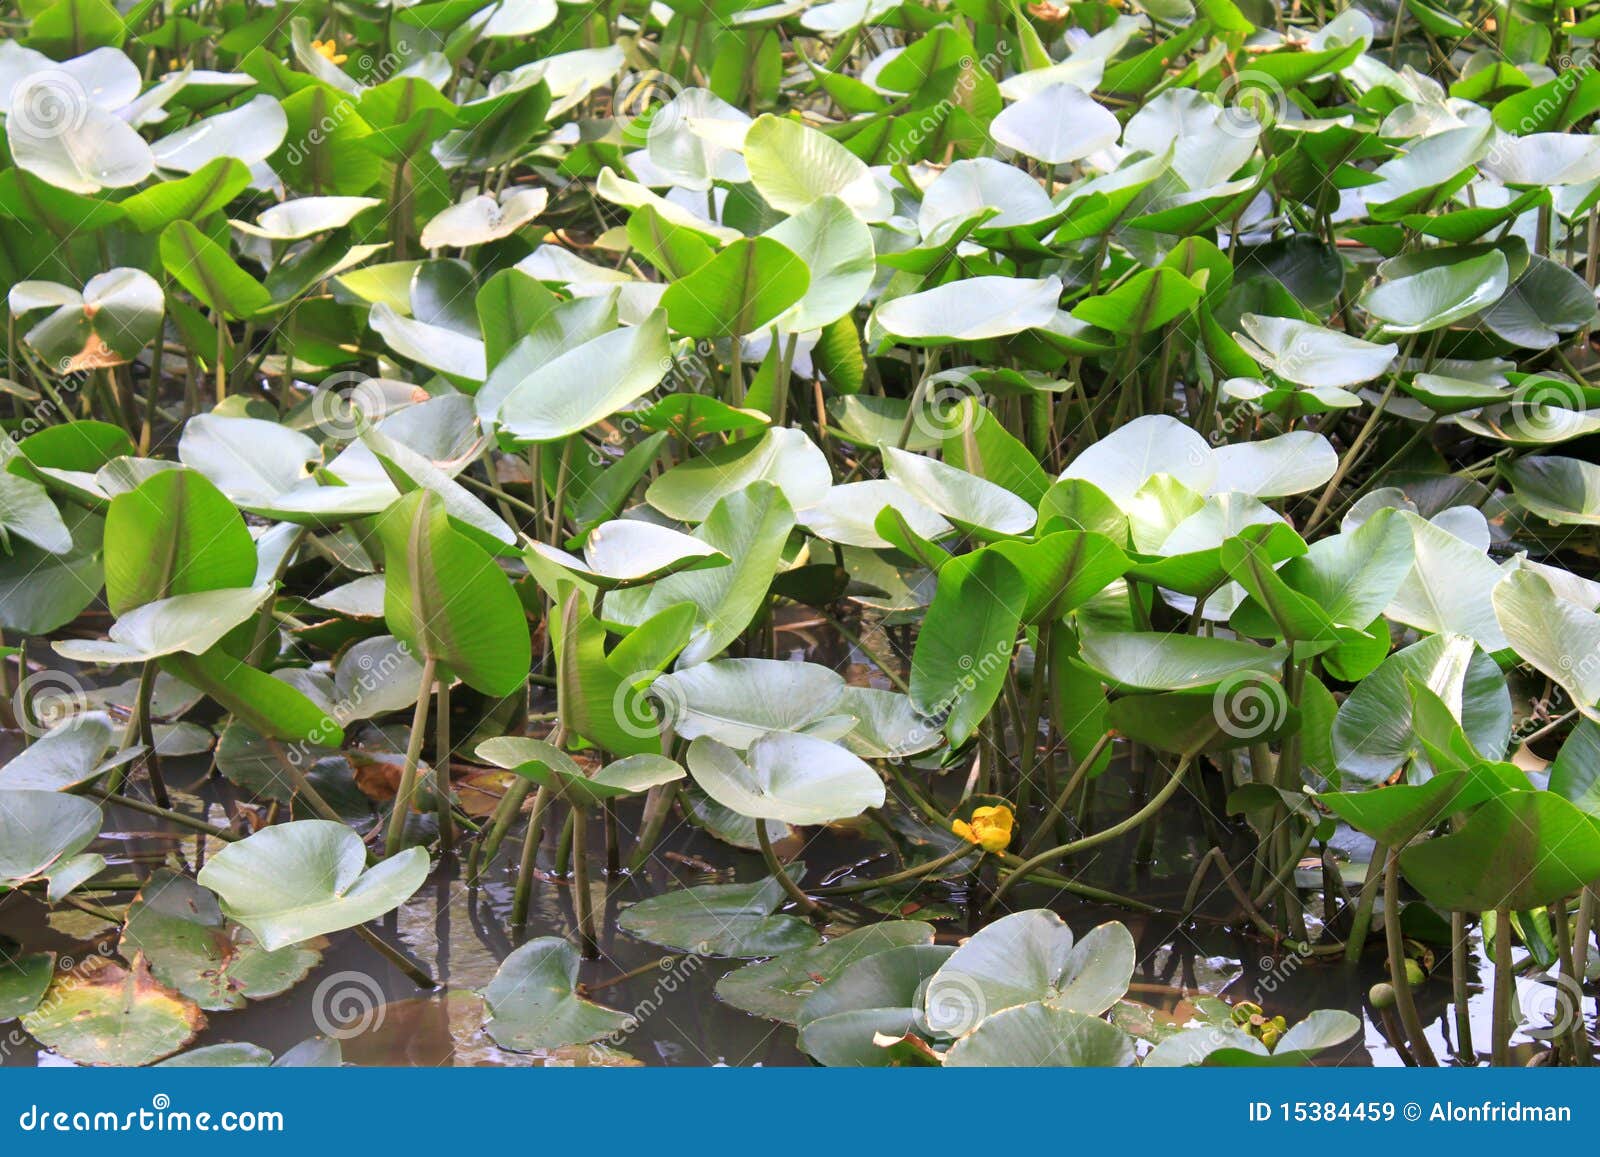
(990, 828)
(326, 48)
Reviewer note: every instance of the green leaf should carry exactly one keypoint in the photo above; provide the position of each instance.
(268, 706)
(837, 250)
(67, 755)
(39, 829)
(967, 500)
(101, 1013)
(751, 527)
(204, 268)
(963, 650)
(293, 881)
(1373, 734)
(786, 776)
(179, 517)
(546, 764)
(559, 399)
(24, 978)
(193, 623)
(737, 701)
(1557, 637)
(977, 443)
(1519, 850)
(721, 919)
(1063, 570)
(1565, 491)
(972, 310)
(784, 457)
(533, 1003)
(1042, 1034)
(776, 989)
(1438, 295)
(448, 600)
(1575, 774)
(794, 167)
(1146, 301)
(1025, 957)
(1151, 661)
(192, 198)
(631, 552)
(180, 930)
(738, 291)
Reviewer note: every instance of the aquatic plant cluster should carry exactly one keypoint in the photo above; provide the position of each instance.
(430, 428)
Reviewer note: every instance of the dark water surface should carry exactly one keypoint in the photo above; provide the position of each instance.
(461, 934)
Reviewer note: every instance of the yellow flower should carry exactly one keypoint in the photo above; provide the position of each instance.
(990, 828)
(326, 48)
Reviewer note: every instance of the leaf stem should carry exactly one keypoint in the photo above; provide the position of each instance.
(408, 773)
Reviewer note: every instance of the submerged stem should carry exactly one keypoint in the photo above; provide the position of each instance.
(408, 773)
(1404, 1003)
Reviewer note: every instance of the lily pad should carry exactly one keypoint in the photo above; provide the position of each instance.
(1025, 957)
(779, 987)
(40, 830)
(1042, 1034)
(293, 881)
(534, 1005)
(737, 701)
(721, 919)
(179, 929)
(23, 980)
(786, 776)
(101, 1013)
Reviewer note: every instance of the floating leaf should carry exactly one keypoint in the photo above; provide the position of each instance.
(720, 920)
(533, 1003)
(179, 929)
(101, 1013)
(294, 881)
